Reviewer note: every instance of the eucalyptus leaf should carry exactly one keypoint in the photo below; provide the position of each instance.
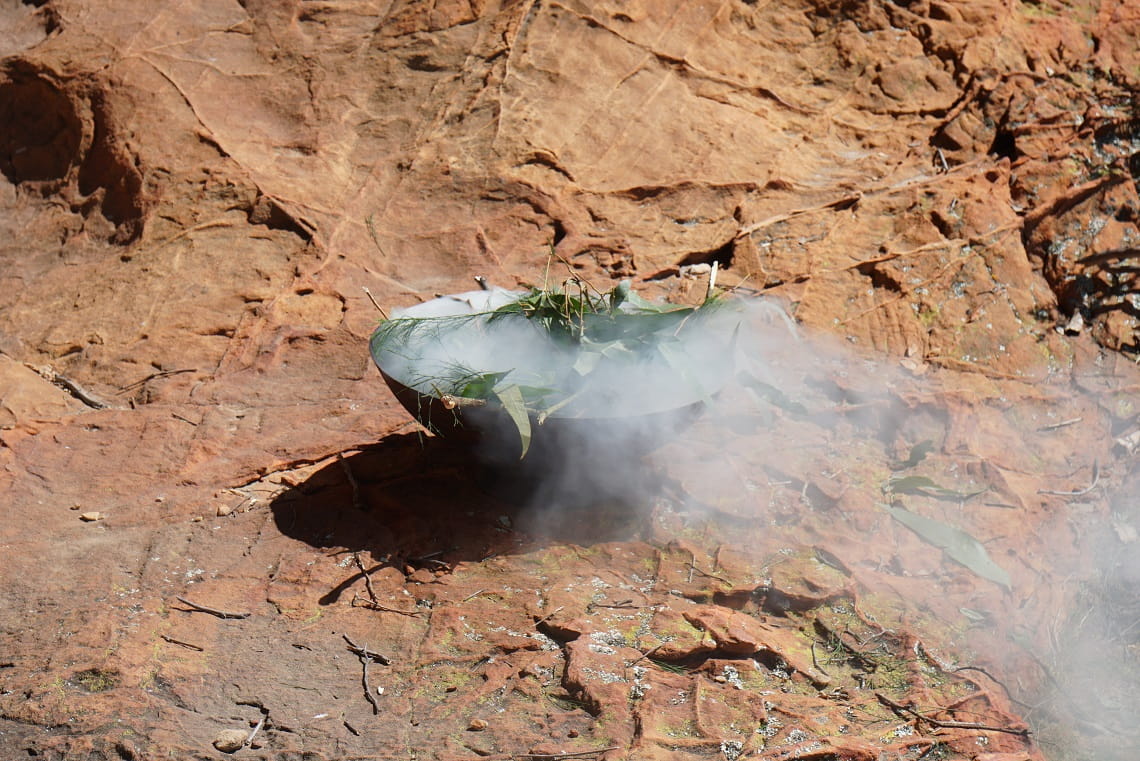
(769, 392)
(925, 487)
(956, 543)
(570, 351)
(587, 362)
(512, 400)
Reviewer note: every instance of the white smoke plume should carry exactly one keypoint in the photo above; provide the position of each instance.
(735, 411)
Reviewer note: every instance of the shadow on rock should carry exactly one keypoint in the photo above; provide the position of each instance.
(423, 504)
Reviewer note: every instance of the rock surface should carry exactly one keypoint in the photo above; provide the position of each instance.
(194, 197)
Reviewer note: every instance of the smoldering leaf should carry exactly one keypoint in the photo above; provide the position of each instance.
(956, 543)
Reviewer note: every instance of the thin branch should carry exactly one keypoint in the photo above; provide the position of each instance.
(211, 611)
(366, 656)
(360, 602)
(364, 652)
(370, 223)
(548, 616)
(815, 662)
(376, 303)
(649, 652)
(712, 280)
(255, 730)
(619, 605)
(707, 575)
(357, 495)
(187, 645)
(154, 376)
(940, 723)
(576, 754)
(1078, 492)
(364, 573)
(1062, 424)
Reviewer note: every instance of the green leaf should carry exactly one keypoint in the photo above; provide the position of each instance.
(480, 385)
(918, 453)
(956, 543)
(586, 362)
(634, 303)
(512, 400)
(774, 395)
(680, 362)
(924, 487)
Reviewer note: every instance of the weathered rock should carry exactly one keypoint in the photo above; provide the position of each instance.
(192, 203)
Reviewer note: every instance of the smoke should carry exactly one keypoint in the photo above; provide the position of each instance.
(602, 406)
(749, 421)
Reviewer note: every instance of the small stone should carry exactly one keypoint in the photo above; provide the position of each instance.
(92, 516)
(196, 519)
(572, 734)
(422, 576)
(224, 510)
(477, 725)
(230, 740)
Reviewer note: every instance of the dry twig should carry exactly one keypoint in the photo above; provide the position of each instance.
(364, 573)
(815, 662)
(154, 376)
(357, 496)
(1078, 492)
(693, 567)
(649, 652)
(360, 602)
(376, 303)
(366, 656)
(187, 645)
(255, 730)
(575, 754)
(548, 616)
(900, 709)
(211, 611)
(1062, 424)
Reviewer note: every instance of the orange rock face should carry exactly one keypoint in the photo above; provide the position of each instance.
(199, 203)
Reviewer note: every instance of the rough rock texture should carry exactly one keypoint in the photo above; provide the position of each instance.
(194, 196)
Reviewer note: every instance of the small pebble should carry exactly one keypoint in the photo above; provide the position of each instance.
(224, 510)
(230, 740)
(477, 725)
(92, 516)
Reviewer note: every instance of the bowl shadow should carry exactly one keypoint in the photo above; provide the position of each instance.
(421, 502)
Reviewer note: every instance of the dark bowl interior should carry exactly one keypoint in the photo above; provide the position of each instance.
(495, 435)
(623, 421)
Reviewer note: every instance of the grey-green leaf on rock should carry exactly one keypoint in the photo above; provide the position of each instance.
(926, 487)
(956, 543)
